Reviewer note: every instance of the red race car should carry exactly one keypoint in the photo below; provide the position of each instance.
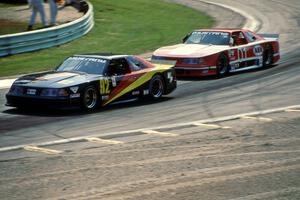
(207, 52)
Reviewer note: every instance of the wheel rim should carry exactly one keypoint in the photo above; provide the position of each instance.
(90, 98)
(222, 66)
(157, 88)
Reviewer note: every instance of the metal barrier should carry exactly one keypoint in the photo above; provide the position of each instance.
(40, 39)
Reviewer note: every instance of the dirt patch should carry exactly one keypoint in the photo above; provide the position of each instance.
(14, 19)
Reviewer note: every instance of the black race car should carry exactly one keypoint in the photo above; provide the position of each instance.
(93, 80)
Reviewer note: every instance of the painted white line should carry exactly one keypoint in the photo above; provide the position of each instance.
(41, 150)
(251, 23)
(152, 132)
(257, 118)
(214, 126)
(292, 110)
(6, 83)
(169, 126)
(98, 140)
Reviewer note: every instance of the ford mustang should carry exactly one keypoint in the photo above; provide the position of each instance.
(93, 80)
(220, 51)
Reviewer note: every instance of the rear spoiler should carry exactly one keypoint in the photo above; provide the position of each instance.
(275, 36)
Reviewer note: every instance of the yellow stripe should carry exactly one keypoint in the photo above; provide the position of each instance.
(41, 150)
(98, 140)
(140, 81)
(152, 132)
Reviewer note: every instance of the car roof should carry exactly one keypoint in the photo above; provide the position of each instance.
(108, 56)
(228, 30)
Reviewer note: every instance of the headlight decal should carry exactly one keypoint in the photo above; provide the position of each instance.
(53, 92)
(192, 61)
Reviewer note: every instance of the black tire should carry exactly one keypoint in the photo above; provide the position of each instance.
(222, 65)
(268, 56)
(90, 98)
(156, 87)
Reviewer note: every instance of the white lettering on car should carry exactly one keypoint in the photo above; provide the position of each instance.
(258, 50)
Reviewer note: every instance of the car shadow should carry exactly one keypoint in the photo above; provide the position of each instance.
(71, 112)
(215, 77)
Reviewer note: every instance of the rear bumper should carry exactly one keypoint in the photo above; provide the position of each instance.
(41, 102)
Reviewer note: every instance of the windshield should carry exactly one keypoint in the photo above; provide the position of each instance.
(83, 64)
(214, 38)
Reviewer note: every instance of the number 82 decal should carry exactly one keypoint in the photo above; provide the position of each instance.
(104, 86)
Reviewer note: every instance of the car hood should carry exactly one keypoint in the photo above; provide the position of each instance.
(189, 50)
(52, 79)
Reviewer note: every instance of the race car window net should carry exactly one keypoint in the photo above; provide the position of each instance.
(118, 67)
(208, 38)
(84, 64)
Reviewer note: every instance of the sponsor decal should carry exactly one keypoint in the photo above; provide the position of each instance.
(135, 92)
(114, 82)
(258, 50)
(235, 66)
(105, 97)
(31, 91)
(146, 92)
(210, 33)
(74, 89)
(89, 59)
(77, 95)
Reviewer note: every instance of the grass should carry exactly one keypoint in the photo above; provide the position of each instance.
(130, 27)
(8, 5)
(8, 26)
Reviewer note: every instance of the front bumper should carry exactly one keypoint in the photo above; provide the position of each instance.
(41, 102)
(171, 87)
(195, 71)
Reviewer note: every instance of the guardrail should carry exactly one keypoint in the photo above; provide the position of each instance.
(40, 39)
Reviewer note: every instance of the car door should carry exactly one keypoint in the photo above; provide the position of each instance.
(119, 76)
(242, 54)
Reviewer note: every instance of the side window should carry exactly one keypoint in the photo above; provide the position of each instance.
(250, 36)
(118, 67)
(239, 38)
(136, 64)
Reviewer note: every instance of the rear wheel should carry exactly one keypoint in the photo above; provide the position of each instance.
(268, 56)
(90, 98)
(156, 87)
(222, 65)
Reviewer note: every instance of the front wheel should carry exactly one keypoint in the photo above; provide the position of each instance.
(268, 56)
(222, 65)
(156, 87)
(90, 98)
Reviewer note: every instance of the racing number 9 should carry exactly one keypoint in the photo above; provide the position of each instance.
(104, 86)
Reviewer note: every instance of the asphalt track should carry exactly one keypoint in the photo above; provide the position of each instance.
(195, 99)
